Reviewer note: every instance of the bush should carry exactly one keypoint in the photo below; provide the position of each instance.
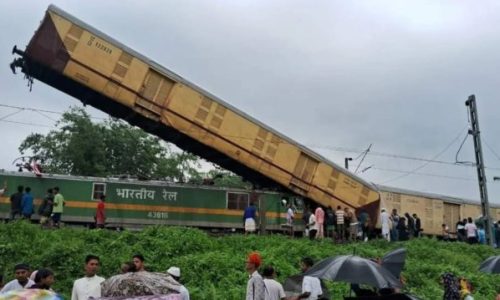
(213, 268)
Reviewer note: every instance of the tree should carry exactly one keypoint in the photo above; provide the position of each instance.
(224, 178)
(112, 147)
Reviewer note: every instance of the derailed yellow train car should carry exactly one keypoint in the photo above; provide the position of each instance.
(433, 209)
(83, 62)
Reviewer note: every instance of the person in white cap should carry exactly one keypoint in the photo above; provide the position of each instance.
(175, 272)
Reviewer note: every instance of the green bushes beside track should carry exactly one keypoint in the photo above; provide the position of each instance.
(213, 267)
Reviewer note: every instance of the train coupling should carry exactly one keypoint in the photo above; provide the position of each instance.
(18, 62)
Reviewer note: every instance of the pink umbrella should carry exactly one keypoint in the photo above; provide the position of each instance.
(139, 284)
(30, 294)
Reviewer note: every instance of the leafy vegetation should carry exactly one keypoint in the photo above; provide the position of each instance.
(80, 146)
(213, 267)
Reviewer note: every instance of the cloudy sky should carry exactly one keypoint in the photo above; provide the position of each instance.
(335, 76)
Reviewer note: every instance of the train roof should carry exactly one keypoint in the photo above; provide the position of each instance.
(178, 78)
(447, 199)
(129, 181)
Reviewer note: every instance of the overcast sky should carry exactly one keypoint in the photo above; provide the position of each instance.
(333, 75)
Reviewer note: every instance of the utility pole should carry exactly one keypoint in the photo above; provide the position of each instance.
(481, 176)
(346, 160)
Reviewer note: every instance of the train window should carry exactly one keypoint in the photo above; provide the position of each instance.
(238, 201)
(98, 190)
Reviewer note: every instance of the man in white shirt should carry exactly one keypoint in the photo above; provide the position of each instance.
(175, 272)
(471, 230)
(384, 220)
(4, 189)
(90, 285)
(313, 227)
(274, 289)
(311, 286)
(22, 281)
(289, 217)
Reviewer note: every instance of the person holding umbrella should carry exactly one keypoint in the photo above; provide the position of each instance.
(311, 286)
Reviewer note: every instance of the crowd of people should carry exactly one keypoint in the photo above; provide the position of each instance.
(467, 230)
(343, 225)
(89, 286)
(265, 286)
(51, 208)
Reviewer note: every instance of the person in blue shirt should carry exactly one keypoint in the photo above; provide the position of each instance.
(27, 203)
(481, 235)
(249, 216)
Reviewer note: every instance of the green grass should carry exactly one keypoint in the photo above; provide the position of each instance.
(213, 268)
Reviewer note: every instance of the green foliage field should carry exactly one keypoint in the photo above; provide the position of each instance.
(213, 267)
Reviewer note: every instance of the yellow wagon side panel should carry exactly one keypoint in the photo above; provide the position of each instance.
(118, 80)
(430, 211)
(470, 210)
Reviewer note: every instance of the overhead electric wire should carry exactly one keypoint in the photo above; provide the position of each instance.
(426, 163)
(458, 151)
(31, 109)
(44, 115)
(30, 124)
(424, 174)
(491, 149)
(38, 110)
(384, 154)
(362, 159)
(331, 148)
(9, 115)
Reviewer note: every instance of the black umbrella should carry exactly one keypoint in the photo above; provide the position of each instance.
(293, 285)
(354, 269)
(491, 265)
(394, 261)
(387, 297)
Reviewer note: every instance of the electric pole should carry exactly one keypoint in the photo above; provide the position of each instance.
(481, 176)
(346, 162)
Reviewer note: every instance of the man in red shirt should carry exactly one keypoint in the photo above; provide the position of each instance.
(100, 215)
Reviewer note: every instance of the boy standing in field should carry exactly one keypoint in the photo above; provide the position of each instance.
(58, 207)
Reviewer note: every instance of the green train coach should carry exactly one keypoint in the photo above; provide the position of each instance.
(134, 204)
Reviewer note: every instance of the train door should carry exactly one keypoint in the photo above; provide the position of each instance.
(154, 93)
(304, 171)
(261, 207)
(451, 215)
